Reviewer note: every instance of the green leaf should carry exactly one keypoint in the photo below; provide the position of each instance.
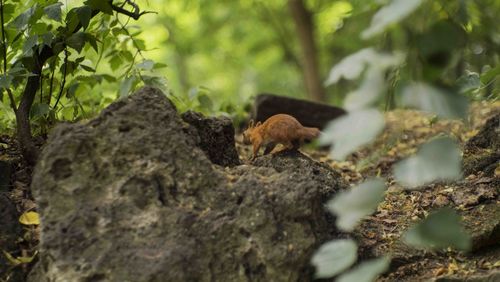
(352, 205)
(439, 230)
(442, 102)
(84, 14)
(140, 44)
(5, 81)
(390, 14)
(92, 40)
(76, 41)
(87, 68)
(103, 6)
(367, 271)
(126, 86)
(159, 65)
(439, 159)
(54, 11)
(115, 62)
(146, 65)
(334, 257)
(39, 109)
(347, 133)
(21, 21)
(489, 75)
(205, 102)
(30, 42)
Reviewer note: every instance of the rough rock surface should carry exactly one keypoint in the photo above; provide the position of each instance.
(130, 197)
(215, 136)
(306, 112)
(482, 152)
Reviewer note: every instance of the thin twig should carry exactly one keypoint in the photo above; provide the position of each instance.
(51, 85)
(135, 14)
(64, 77)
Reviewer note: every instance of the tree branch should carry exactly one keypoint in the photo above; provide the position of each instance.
(136, 14)
(4, 54)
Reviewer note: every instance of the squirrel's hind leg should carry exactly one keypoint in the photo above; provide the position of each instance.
(269, 147)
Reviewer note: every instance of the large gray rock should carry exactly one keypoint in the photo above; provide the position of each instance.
(130, 197)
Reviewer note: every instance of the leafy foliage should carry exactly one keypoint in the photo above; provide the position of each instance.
(334, 257)
(439, 159)
(351, 206)
(439, 230)
(366, 271)
(351, 131)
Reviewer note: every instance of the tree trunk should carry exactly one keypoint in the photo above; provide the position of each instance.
(305, 30)
(28, 148)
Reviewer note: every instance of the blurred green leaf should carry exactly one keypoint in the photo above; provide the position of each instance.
(103, 6)
(334, 257)
(76, 41)
(352, 205)
(489, 75)
(21, 21)
(5, 81)
(205, 102)
(84, 14)
(390, 14)
(146, 65)
(54, 11)
(439, 159)
(442, 102)
(126, 86)
(439, 230)
(349, 132)
(351, 66)
(39, 109)
(367, 271)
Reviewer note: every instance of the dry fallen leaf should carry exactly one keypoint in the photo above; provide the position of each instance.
(29, 218)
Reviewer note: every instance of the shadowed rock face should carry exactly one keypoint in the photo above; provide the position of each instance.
(215, 136)
(130, 197)
(306, 112)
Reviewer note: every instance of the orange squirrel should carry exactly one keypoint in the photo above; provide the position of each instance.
(280, 128)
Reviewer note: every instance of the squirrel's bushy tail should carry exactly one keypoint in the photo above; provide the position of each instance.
(309, 133)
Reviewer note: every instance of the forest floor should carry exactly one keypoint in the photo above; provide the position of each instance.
(405, 131)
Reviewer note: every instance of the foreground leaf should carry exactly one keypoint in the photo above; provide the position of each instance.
(439, 230)
(439, 159)
(430, 99)
(54, 11)
(392, 13)
(351, 66)
(349, 132)
(29, 218)
(334, 257)
(351, 206)
(367, 271)
(18, 260)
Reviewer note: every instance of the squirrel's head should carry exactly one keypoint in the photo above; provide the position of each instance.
(248, 132)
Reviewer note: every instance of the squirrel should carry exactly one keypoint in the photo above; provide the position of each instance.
(280, 128)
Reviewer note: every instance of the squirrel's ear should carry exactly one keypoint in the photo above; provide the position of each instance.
(258, 123)
(250, 124)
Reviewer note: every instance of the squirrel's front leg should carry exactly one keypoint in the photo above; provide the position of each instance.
(256, 147)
